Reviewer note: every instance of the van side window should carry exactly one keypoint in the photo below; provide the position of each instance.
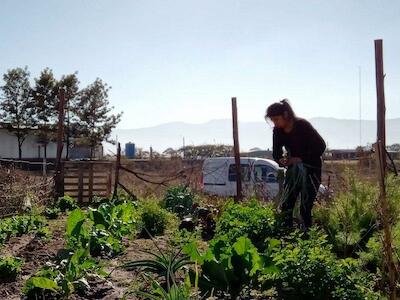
(264, 173)
(245, 172)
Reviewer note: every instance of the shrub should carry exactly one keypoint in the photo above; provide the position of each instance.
(10, 267)
(373, 254)
(254, 220)
(393, 196)
(154, 219)
(179, 199)
(309, 270)
(350, 218)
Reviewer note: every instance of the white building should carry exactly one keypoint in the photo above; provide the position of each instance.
(31, 148)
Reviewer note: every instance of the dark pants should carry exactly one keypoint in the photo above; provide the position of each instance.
(304, 181)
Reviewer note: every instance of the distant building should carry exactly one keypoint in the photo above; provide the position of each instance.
(33, 149)
(341, 154)
(82, 151)
(257, 152)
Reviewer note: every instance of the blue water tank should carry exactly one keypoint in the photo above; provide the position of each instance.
(130, 150)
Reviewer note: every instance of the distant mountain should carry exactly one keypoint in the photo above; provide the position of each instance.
(338, 133)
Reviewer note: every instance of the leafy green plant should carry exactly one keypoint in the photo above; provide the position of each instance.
(350, 218)
(52, 212)
(179, 199)
(66, 203)
(308, 269)
(63, 204)
(103, 243)
(19, 225)
(256, 221)
(41, 288)
(82, 233)
(43, 233)
(154, 219)
(77, 229)
(182, 237)
(157, 291)
(103, 228)
(60, 279)
(10, 267)
(92, 233)
(120, 219)
(176, 292)
(226, 267)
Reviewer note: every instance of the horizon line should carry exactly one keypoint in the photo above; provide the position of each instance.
(245, 121)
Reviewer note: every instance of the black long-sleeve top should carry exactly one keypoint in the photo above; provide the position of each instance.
(302, 141)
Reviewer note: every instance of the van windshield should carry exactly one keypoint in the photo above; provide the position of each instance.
(245, 172)
(265, 173)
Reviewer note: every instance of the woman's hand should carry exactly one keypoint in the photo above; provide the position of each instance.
(290, 161)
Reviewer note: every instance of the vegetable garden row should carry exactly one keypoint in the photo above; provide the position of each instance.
(236, 251)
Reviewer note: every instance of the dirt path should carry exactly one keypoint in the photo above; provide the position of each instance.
(123, 279)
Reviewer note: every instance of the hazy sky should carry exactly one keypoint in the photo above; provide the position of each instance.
(183, 60)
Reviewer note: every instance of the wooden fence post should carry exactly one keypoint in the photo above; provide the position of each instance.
(381, 164)
(236, 150)
(59, 180)
(117, 167)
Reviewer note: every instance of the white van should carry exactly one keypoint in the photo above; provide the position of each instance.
(259, 176)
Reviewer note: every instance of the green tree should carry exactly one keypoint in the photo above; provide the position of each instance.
(45, 98)
(92, 111)
(17, 104)
(70, 83)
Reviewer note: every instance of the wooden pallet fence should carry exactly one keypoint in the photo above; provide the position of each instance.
(86, 179)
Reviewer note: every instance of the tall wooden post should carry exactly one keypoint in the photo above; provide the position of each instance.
(381, 164)
(117, 167)
(59, 180)
(67, 131)
(151, 153)
(380, 94)
(236, 150)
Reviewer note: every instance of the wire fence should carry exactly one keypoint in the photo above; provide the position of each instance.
(21, 189)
